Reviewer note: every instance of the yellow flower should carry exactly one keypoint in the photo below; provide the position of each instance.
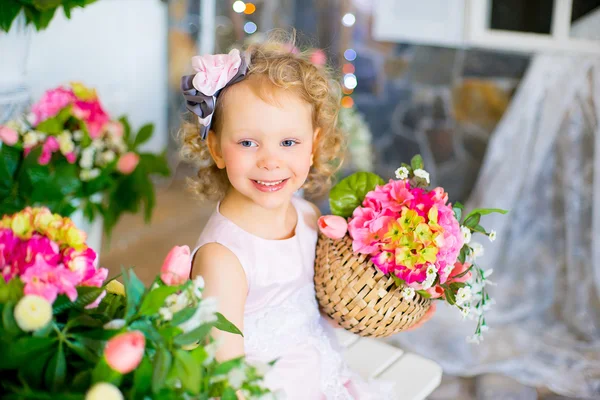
(33, 312)
(21, 224)
(423, 233)
(104, 391)
(409, 219)
(115, 287)
(74, 237)
(428, 254)
(83, 92)
(6, 222)
(42, 218)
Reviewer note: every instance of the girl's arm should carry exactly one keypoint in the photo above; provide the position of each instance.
(224, 279)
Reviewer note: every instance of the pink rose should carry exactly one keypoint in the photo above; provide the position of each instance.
(333, 226)
(124, 352)
(215, 71)
(177, 266)
(8, 136)
(128, 162)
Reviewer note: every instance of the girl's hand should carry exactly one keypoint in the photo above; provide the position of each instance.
(424, 319)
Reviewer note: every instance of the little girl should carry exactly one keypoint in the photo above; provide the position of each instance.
(266, 129)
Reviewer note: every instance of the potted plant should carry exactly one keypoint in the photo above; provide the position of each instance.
(68, 155)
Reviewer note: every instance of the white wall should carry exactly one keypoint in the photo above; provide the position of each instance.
(117, 46)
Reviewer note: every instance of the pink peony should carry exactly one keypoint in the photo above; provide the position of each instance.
(124, 352)
(51, 103)
(93, 115)
(48, 281)
(215, 71)
(8, 136)
(128, 162)
(177, 266)
(333, 226)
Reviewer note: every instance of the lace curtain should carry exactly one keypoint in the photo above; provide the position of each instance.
(542, 164)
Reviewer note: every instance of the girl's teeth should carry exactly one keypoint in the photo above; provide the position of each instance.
(270, 183)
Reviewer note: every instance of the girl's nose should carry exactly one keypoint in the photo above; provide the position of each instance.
(269, 161)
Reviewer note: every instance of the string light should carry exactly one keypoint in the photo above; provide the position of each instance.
(350, 55)
(250, 27)
(250, 8)
(239, 6)
(348, 20)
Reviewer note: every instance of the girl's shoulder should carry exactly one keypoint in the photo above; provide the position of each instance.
(308, 210)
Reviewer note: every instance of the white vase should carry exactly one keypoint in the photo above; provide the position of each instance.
(14, 50)
(93, 229)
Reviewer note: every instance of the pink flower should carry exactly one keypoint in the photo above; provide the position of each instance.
(215, 71)
(37, 246)
(8, 136)
(318, 58)
(333, 226)
(436, 291)
(80, 261)
(459, 269)
(366, 228)
(96, 302)
(392, 196)
(71, 157)
(94, 116)
(177, 266)
(452, 241)
(128, 162)
(114, 129)
(439, 196)
(384, 261)
(51, 103)
(124, 352)
(94, 277)
(51, 145)
(48, 281)
(8, 247)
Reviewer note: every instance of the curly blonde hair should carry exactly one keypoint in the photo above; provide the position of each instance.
(275, 64)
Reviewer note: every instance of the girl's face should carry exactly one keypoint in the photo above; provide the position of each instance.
(265, 148)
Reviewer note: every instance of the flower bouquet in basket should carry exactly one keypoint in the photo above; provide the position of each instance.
(67, 154)
(68, 333)
(390, 249)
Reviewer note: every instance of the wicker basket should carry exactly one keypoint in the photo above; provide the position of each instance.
(359, 297)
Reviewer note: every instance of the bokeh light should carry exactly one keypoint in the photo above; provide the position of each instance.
(347, 102)
(348, 68)
(348, 19)
(350, 54)
(350, 81)
(250, 8)
(250, 27)
(239, 6)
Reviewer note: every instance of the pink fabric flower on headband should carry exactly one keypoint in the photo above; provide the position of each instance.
(215, 71)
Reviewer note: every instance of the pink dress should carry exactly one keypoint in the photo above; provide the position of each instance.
(281, 315)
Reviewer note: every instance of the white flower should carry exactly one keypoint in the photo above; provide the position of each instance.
(261, 367)
(402, 173)
(154, 286)
(198, 285)
(33, 312)
(30, 139)
(477, 249)
(466, 232)
(484, 328)
(115, 324)
(78, 135)
(165, 313)
(431, 271)
(108, 156)
(408, 293)
(87, 158)
(97, 144)
(488, 272)
(31, 118)
(492, 235)
(421, 173)
(476, 339)
(104, 391)
(465, 311)
(431, 275)
(463, 296)
(211, 350)
(89, 174)
(205, 313)
(65, 143)
(236, 377)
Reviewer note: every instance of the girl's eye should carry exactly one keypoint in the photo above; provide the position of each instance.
(247, 143)
(289, 143)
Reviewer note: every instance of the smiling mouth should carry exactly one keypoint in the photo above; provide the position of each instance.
(270, 183)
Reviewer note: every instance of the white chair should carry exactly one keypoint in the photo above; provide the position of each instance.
(416, 377)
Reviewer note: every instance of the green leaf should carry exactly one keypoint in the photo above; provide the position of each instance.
(193, 336)
(423, 293)
(46, 4)
(181, 316)
(450, 298)
(462, 256)
(79, 348)
(143, 135)
(85, 296)
(82, 381)
(23, 350)
(397, 281)
(199, 354)
(188, 371)
(416, 162)
(457, 212)
(227, 366)
(56, 370)
(229, 394)
(350, 192)
(134, 290)
(155, 164)
(10, 157)
(485, 211)
(224, 324)
(142, 378)
(8, 12)
(162, 365)
(155, 299)
(454, 286)
(102, 372)
(472, 221)
(11, 291)
(8, 320)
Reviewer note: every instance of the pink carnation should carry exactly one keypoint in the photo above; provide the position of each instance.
(51, 103)
(94, 116)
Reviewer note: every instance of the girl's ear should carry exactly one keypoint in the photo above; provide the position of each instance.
(314, 147)
(214, 147)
